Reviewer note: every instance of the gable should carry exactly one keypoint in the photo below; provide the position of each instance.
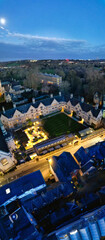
(3, 117)
(78, 107)
(41, 105)
(90, 113)
(17, 113)
(54, 102)
(100, 114)
(30, 109)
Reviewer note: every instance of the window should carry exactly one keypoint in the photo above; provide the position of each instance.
(4, 161)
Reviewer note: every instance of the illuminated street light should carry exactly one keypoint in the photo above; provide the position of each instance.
(50, 160)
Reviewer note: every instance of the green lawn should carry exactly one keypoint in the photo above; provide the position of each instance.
(61, 124)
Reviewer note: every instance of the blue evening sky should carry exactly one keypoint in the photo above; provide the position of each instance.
(39, 29)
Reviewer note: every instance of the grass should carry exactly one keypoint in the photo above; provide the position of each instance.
(61, 124)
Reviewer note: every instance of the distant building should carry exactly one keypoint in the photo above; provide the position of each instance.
(51, 79)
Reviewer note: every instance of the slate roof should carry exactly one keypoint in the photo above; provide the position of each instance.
(82, 156)
(24, 108)
(88, 165)
(85, 106)
(53, 141)
(21, 185)
(63, 165)
(74, 101)
(3, 144)
(96, 151)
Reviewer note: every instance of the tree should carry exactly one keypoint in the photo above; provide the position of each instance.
(65, 87)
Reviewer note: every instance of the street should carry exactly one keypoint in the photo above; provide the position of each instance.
(43, 164)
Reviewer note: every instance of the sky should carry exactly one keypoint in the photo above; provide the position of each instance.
(52, 29)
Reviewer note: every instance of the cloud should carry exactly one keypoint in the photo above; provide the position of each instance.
(25, 46)
(35, 37)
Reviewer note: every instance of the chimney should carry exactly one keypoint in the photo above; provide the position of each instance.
(14, 105)
(82, 99)
(33, 100)
(60, 94)
(71, 95)
(96, 106)
(3, 109)
(51, 95)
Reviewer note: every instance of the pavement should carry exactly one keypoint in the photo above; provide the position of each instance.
(42, 164)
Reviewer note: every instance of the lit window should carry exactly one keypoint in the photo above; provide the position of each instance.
(4, 162)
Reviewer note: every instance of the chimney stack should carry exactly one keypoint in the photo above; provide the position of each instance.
(51, 95)
(82, 99)
(71, 95)
(96, 106)
(14, 105)
(33, 100)
(3, 109)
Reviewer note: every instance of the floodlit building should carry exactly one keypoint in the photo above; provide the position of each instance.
(34, 110)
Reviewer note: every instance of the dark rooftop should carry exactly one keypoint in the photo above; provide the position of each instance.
(3, 144)
(22, 185)
(63, 165)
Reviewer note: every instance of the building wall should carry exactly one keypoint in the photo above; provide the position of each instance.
(7, 161)
(33, 113)
(87, 116)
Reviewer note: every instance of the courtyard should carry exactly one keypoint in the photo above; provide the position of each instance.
(29, 136)
(61, 124)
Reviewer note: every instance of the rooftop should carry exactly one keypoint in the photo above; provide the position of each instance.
(46, 102)
(22, 185)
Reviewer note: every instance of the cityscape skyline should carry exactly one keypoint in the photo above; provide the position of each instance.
(52, 30)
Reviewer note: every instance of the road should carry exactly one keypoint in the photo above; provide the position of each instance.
(43, 164)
